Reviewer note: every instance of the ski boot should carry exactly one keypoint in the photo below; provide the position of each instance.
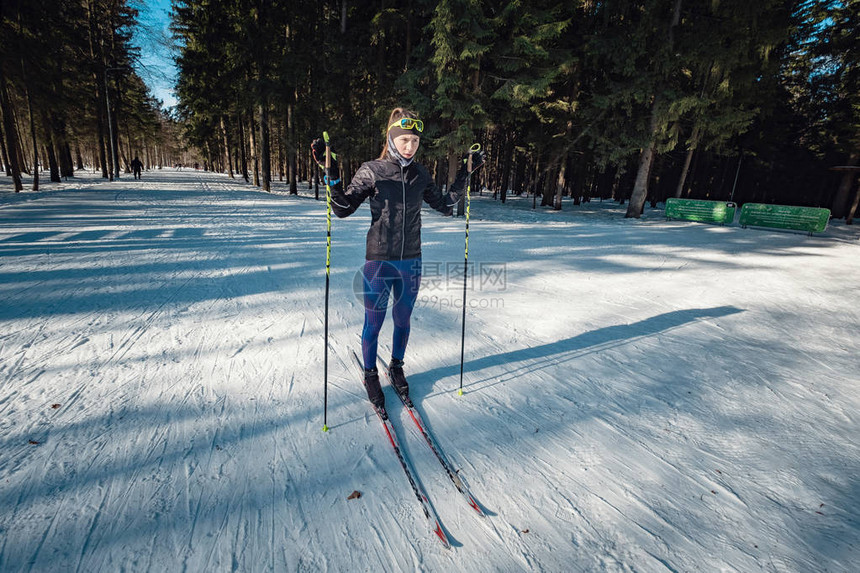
(398, 380)
(374, 391)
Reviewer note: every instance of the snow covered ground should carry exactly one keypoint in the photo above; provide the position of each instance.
(639, 395)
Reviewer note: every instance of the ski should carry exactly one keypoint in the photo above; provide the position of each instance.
(427, 508)
(428, 438)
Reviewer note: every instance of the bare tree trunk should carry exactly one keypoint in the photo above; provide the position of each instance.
(244, 158)
(252, 136)
(53, 164)
(265, 151)
(4, 156)
(617, 194)
(79, 158)
(10, 133)
(315, 175)
(100, 141)
(840, 202)
(548, 183)
(646, 159)
(226, 134)
(282, 158)
(694, 143)
(559, 184)
(94, 155)
(114, 115)
(67, 167)
(453, 161)
(508, 158)
(437, 173)
(22, 157)
(32, 132)
(130, 153)
(93, 42)
(291, 148)
(519, 174)
(534, 179)
(849, 218)
(29, 99)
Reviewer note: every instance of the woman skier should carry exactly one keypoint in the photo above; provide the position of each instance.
(396, 187)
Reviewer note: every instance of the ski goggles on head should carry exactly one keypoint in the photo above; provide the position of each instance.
(408, 124)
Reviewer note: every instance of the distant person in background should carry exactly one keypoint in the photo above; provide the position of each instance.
(136, 167)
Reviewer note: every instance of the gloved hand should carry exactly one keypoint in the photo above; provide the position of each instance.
(318, 150)
(478, 160)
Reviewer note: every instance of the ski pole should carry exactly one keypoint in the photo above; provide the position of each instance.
(327, 268)
(475, 147)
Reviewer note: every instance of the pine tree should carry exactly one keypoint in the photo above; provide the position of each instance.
(825, 81)
(534, 78)
(461, 37)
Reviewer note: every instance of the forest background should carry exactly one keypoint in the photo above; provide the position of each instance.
(630, 100)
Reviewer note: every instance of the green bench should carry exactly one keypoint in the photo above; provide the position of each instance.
(718, 212)
(809, 219)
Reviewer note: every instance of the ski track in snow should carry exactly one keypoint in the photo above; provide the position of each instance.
(639, 395)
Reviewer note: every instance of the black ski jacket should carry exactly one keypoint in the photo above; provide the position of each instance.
(396, 194)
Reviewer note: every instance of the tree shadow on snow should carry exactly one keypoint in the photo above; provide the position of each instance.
(518, 362)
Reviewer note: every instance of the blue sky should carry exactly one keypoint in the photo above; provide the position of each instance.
(152, 36)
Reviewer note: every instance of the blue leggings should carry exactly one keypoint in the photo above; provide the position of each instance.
(382, 279)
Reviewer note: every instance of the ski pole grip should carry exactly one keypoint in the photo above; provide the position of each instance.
(327, 151)
(475, 147)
